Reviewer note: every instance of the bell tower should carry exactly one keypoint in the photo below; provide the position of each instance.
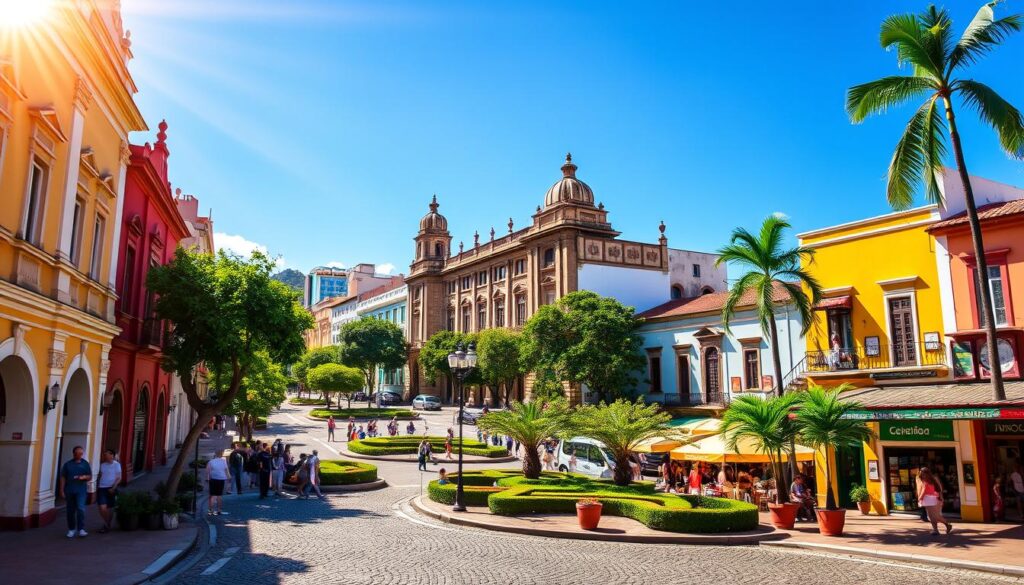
(427, 294)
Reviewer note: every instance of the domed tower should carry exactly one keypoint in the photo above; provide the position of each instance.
(570, 202)
(433, 242)
(569, 189)
(427, 291)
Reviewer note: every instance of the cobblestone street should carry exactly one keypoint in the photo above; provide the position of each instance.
(374, 538)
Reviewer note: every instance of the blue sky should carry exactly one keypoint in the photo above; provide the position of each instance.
(319, 130)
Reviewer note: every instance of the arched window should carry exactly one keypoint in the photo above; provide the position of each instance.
(467, 325)
(706, 290)
(549, 257)
(419, 249)
(481, 316)
(451, 318)
(139, 434)
(677, 292)
(439, 250)
(520, 310)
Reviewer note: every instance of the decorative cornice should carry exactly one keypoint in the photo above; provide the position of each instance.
(83, 94)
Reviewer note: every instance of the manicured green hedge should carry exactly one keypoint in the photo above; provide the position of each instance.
(307, 401)
(473, 495)
(344, 472)
(344, 413)
(408, 444)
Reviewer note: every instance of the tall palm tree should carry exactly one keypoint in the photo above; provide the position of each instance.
(769, 265)
(766, 422)
(925, 42)
(621, 426)
(821, 425)
(529, 423)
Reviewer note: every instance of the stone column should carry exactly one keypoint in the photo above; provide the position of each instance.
(115, 245)
(83, 98)
(56, 361)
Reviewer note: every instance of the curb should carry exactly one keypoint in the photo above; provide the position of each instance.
(724, 540)
(166, 561)
(1014, 570)
(412, 458)
(352, 487)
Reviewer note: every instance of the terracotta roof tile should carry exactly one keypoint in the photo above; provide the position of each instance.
(706, 304)
(990, 211)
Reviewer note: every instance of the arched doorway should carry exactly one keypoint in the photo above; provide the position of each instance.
(712, 377)
(74, 422)
(158, 437)
(139, 433)
(114, 421)
(17, 406)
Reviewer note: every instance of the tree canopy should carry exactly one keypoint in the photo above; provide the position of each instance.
(335, 379)
(500, 357)
(368, 344)
(433, 357)
(589, 339)
(621, 426)
(263, 390)
(529, 423)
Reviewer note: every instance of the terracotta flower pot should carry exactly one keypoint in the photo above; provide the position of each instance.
(588, 514)
(783, 515)
(864, 507)
(831, 522)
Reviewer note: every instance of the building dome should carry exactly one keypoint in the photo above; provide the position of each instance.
(434, 221)
(569, 189)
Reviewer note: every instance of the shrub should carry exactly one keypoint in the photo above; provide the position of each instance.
(307, 401)
(340, 472)
(859, 493)
(407, 445)
(343, 413)
(473, 495)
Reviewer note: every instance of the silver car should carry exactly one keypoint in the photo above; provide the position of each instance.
(426, 402)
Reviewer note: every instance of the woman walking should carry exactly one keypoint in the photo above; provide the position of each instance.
(421, 455)
(448, 446)
(929, 496)
(277, 466)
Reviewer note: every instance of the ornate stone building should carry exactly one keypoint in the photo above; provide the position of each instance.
(502, 281)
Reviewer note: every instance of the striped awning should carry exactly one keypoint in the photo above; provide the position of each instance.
(843, 302)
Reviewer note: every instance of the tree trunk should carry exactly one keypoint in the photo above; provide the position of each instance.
(531, 461)
(187, 451)
(781, 489)
(773, 334)
(830, 498)
(369, 386)
(987, 313)
(623, 473)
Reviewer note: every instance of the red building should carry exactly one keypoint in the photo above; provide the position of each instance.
(136, 423)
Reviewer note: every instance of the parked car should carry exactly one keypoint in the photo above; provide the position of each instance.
(426, 402)
(387, 398)
(359, 396)
(469, 415)
(592, 457)
(652, 461)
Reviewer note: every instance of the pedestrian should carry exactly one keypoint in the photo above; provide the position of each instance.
(929, 496)
(549, 460)
(998, 509)
(694, 480)
(252, 467)
(442, 477)
(277, 468)
(237, 460)
(410, 429)
(361, 433)
(448, 448)
(1016, 483)
(421, 455)
(264, 464)
(277, 448)
(217, 475)
(572, 461)
(479, 435)
(314, 472)
(74, 479)
(508, 444)
(330, 428)
(302, 475)
(517, 447)
(106, 488)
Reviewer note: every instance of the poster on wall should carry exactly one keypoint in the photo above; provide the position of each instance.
(872, 347)
(873, 470)
(736, 383)
(767, 382)
(963, 359)
(931, 341)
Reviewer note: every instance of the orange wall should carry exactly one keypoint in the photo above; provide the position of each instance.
(1004, 235)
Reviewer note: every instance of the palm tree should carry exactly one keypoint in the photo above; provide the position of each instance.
(621, 426)
(821, 424)
(770, 266)
(925, 42)
(529, 423)
(766, 422)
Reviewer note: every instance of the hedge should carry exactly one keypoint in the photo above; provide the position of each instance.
(407, 445)
(307, 401)
(343, 472)
(344, 413)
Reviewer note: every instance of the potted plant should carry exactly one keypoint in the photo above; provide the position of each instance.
(860, 494)
(170, 508)
(767, 423)
(128, 509)
(823, 425)
(588, 512)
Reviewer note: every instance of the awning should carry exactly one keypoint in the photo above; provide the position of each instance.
(843, 302)
(657, 445)
(713, 449)
(701, 427)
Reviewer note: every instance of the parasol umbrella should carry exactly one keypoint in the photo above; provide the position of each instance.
(713, 449)
(656, 445)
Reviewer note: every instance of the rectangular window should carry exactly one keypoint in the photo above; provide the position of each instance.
(451, 319)
(683, 373)
(36, 198)
(751, 369)
(401, 313)
(520, 310)
(995, 287)
(98, 231)
(519, 267)
(481, 278)
(499, 313)
(467, 324)
(499, 273)
(481, 317)
(654, 365)
(467, 282)
(76, 231)
(128, 280)
(696, 270)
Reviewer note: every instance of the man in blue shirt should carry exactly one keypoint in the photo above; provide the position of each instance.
(74, 479)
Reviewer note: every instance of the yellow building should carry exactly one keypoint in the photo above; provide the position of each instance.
(880, 329)
(66, 108)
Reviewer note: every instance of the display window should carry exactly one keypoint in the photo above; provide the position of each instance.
(904, 463)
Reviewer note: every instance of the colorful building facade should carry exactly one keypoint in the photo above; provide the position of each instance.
(388, 303)
(66, 108)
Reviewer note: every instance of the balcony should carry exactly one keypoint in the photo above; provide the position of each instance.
(915, 359)
(714, 398)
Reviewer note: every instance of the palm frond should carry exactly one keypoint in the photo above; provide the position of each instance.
(804, 304)
(907, 162)
(771, 236)
(766, 304)
(906, 33)
(933, 149)
(746, 282)
(997, 112)
(982, 35)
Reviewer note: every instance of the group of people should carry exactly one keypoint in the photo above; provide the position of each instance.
(75, 475)
(353, 431)
(262, 466)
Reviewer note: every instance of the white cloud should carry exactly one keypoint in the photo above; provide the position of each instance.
(780, 215)
(335, 264)
(235, 244)
(386, 268)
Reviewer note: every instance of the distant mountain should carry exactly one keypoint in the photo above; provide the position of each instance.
(292, 278)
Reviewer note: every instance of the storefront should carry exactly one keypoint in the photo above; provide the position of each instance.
(906, 447)
(1004, 447)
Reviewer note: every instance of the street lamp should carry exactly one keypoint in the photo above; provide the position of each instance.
(51, 398)
(461, 363)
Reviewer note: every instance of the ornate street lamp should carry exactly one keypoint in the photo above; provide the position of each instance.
(461, 363)
(52, 396)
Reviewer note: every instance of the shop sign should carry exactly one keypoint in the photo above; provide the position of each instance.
(1008, 427)
(902, 375)
(923, 414)
(1011, 413)
(939, 430)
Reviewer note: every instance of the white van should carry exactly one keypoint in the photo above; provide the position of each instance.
(592, 457)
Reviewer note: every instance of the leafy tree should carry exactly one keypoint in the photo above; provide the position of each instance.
(766, 423)
(368, 344)
(822, 425)
(263, 390)
(222, 311)
(546, 385)
(433, 357)
(621, 426)
(313, 358)
(586, 338)
(770, 268)
(500, 359)
(336, 378)
(529, 423)
(937, 61)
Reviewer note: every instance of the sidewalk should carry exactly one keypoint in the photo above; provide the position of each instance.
(45, 555)
(971, 545)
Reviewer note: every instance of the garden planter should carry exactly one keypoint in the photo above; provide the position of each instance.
(128, 521)
(783, 515)
(831, 522)
(589, 514)
(154, 521)
(170, 521)
(864, 507)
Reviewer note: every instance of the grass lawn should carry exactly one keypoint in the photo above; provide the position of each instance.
(508, 493)
(307, 401)
(344, 413)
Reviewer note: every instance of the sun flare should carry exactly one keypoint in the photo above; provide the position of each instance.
(21, 13)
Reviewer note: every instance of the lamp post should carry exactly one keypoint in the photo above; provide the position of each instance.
(461, 363)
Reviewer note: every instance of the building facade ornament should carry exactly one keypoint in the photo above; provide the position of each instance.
(83, 95)
(56, 359)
